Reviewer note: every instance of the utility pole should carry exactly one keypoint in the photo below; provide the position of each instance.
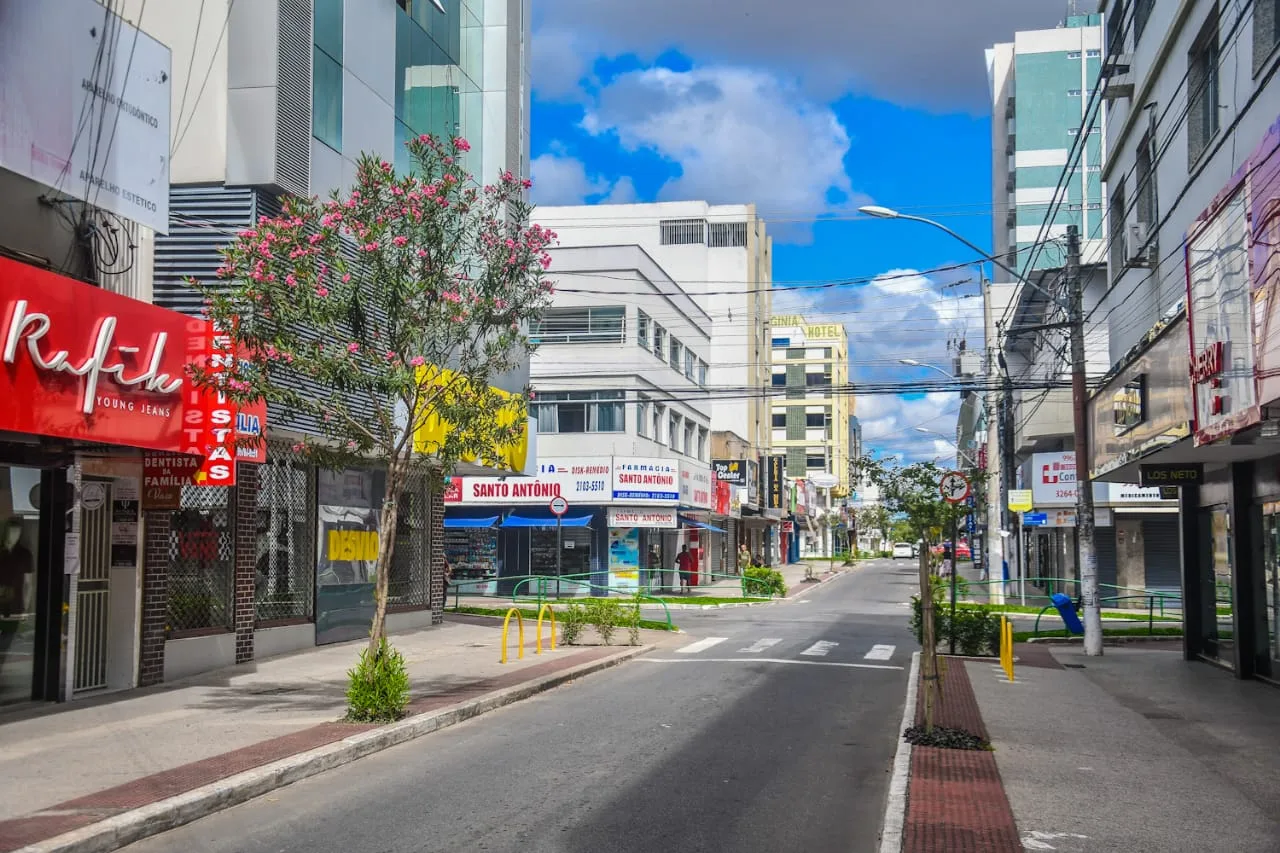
(995, 503)
(1084, 486)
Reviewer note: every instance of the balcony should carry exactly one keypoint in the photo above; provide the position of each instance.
(1041, 417)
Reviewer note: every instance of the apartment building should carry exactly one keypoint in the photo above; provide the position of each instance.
(812, 402)
(1194, 179)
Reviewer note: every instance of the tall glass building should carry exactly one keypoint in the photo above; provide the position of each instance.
(1040, 85)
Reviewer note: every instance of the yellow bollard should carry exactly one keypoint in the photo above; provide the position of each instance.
(547, 609)
(1006, 647)
(506, 626)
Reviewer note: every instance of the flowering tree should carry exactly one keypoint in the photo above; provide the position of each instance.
(384, 316)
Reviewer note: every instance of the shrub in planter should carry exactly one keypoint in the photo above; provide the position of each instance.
(977, 632)
(759, 580)
(378, 686)
(606, 615)
(572, 619)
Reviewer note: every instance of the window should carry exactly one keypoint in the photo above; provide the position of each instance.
(1073, 54)
(689, 362)
(779, 380)
(826, 353)
(642, 418)
(1202, 91)
(815, 420)
(795, 355)
(1093, 54)
(1073, 93)
(673, 431)
(675, 353)
(702, 444)
(1073, 131)
(728, 235)
(690, 440)
(659, 418)
(1266, 31)
(702, 373)
(580, 326)
(659, 341)
(1145, 184)
(682, 232)
(779, 420)
(580, 411)
(1141, 14)
(817, 380)
(642, 329)
(326, 74)
(818, 462)
(1117, 214)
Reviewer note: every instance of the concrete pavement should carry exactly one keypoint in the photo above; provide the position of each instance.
(761, 729)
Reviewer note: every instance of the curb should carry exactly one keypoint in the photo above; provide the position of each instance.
(152, 819)
(895, 810)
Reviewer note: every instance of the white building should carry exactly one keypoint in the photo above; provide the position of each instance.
(723, 259)
(621, 368)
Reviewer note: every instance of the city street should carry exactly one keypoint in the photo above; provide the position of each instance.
(760, 729)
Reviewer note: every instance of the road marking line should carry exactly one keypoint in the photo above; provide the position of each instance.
(820, 649)
(773, 660)
(700, 646)
(880, 652)
(761, 645)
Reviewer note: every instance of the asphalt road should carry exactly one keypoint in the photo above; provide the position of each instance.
(762, 729)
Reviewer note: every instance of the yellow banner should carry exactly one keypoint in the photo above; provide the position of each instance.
(431, 435)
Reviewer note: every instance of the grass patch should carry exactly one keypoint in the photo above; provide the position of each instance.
(944, 738)
(670, 599)
(1224, 611)
(499, 612)
(1023, 636)
(1133, 615)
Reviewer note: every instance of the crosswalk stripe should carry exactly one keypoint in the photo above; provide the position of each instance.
(820, 649)
(761, 645)
(700, 646)
(880, 652)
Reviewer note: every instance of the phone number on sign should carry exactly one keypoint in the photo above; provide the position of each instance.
(589, 486)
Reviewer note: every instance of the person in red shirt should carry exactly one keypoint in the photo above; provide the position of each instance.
(684, 563)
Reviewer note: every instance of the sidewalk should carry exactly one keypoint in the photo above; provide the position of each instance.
(68, 767)
(1137, 750)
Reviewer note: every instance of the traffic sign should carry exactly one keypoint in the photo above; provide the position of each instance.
(559, 506)
(954, 487)
(1035, 519)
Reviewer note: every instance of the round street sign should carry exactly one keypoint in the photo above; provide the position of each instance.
(559, 505)
(954, 487)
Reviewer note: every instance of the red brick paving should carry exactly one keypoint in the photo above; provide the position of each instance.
(955, 799)
(82, 811)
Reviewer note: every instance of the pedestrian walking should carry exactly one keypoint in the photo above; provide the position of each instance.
(684, 564)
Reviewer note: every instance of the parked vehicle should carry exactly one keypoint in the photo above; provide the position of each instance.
(903, 549)
(962, 551)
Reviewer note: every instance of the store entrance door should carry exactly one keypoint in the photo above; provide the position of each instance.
(93, 592)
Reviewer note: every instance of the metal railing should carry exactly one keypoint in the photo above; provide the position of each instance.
(541, 598)
(1150, 597)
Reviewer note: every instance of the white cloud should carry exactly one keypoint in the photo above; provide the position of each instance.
(918, 52)
(902, 314)
(559, 64)
(737, 135)
(560, 179)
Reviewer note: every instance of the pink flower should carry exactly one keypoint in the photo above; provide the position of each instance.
(424, 138)
(417, 361)
(422, 253)
(451, 296)
(346, 278)
(386, 167)
(315, 238)
(322, 291)
(400, 240)
(270, 351)
(353, 348)
(461, 144)
(291, 280)
(371, 246)
(298, 447)
(526, 183)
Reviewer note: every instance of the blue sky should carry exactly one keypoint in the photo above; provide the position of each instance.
(808, 111)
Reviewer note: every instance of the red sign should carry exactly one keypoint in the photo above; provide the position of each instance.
(1207, 364)
(721, 496)
(163, 476)
(92, 365)
(213, 414)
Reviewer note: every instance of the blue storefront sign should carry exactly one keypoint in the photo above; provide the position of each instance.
(1035, 519)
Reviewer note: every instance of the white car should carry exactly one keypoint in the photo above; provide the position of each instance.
(903, 549)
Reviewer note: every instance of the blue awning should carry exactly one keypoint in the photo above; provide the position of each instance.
(565, 521)
(702, 525)
(470, 523)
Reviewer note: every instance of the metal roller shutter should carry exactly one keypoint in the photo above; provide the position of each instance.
(1162, 554)
(1104, 543)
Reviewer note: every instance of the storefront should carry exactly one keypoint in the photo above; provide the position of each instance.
(119, 503)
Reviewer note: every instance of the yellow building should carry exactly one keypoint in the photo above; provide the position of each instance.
(812, 401)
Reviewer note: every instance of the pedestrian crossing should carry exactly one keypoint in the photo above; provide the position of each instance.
(818, 652)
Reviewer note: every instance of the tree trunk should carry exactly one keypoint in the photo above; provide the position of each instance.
(928, 642)
(387, 520)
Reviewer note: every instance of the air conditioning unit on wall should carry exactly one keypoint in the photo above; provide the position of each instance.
(1139, 249)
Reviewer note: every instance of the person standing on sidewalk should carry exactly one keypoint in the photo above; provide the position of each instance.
(744, 557)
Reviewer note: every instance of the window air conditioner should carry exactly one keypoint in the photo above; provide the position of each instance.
(1137, 251)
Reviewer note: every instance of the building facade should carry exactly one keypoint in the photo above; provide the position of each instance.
(722, 257)
(1193, 181)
